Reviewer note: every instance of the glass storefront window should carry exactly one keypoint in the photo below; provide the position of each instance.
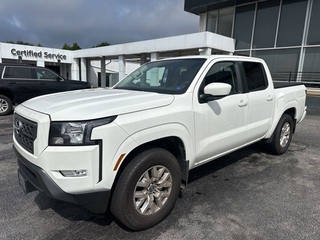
(312, 60)
(266, 24)
(292, 21)
(242, 53)
(212, 21)
(225, 22)
(243, 26)
(280, 61)
(314, 33)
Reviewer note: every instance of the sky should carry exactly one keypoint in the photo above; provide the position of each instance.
(90, 22)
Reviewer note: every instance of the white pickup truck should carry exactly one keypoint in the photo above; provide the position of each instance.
(131, 147)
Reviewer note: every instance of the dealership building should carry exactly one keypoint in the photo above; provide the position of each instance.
(282, 32)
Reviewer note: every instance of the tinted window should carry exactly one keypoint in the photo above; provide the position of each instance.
(17, 72)
(223, 72)
(280, 60)
(225, 22)
(45, 74)
(255, 76)
(266, 24)
(314, 33)
(243, 26)
(168, 76)
(292, 19)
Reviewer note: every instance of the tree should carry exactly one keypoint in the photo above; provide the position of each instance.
(21, 43)
(74, 46)
(103, 44)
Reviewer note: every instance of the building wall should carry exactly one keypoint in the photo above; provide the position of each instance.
(285, 33)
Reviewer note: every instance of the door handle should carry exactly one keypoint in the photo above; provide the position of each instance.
(41, 83)
(12, 83)
(242, 103)
(269, 98)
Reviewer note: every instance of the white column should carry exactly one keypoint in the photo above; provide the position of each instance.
(122, 67)
(154, 56)
(205, 51)
(0, 59)
(103, 72)
(75, 69)
(40, 63)
(83, 70)
(203, 22)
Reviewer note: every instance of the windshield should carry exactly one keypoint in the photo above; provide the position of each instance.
(168, 76)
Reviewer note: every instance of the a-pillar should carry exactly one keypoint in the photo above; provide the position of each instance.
(205, 51)
(103, 72)
(154, 56)
(122, 67)
(83, 73)
(75, 69)
(40, 63)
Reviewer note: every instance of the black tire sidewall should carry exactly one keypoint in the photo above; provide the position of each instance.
(9, 110)
(127, 183)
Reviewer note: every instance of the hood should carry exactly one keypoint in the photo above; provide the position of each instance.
(96, 103)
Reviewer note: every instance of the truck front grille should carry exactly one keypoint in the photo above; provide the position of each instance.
(25, 132)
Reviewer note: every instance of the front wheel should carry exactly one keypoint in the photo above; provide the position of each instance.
(147, 189)
(5, 105)
(282, 135)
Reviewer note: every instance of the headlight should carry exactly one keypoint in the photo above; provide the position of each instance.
(74, 133)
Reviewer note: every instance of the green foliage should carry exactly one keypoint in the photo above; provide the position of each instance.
(74, 46)
(21, 43)
(103, 44)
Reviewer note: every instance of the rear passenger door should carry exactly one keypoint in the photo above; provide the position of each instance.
(261, 100)
(20, 81)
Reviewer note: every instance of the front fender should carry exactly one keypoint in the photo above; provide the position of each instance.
(151, 134)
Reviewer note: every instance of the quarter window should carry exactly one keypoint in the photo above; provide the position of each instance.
(18, 72)
(255, 76)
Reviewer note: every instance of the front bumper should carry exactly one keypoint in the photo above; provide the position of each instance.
(36, 178)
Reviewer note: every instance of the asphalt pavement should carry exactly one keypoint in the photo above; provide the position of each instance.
(249, 194)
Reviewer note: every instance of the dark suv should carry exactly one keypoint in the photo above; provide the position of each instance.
(19, 83)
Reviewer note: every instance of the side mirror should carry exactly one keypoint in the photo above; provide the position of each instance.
(214, 91)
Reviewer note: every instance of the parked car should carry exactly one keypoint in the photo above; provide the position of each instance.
(134, 144)
(19, 83)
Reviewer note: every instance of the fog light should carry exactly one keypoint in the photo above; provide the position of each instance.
(74, 173)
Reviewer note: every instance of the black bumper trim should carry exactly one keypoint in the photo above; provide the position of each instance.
(96, 202)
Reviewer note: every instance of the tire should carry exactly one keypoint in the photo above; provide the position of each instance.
(154, 198)
(282, 135)
(5, 105)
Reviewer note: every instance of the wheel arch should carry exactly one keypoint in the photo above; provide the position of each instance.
(7, 93)
(172, 144)
(291, 111)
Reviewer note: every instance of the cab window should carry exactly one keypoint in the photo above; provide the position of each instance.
(255, 76)
(223, 72)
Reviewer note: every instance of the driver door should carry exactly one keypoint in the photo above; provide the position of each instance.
(220, 125)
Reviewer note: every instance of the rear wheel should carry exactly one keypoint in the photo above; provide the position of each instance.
(282, 135)
(5, 105)
(147, 189)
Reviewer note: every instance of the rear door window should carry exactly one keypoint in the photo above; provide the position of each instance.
(46, 74)
(18, 73)
(255, 76)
